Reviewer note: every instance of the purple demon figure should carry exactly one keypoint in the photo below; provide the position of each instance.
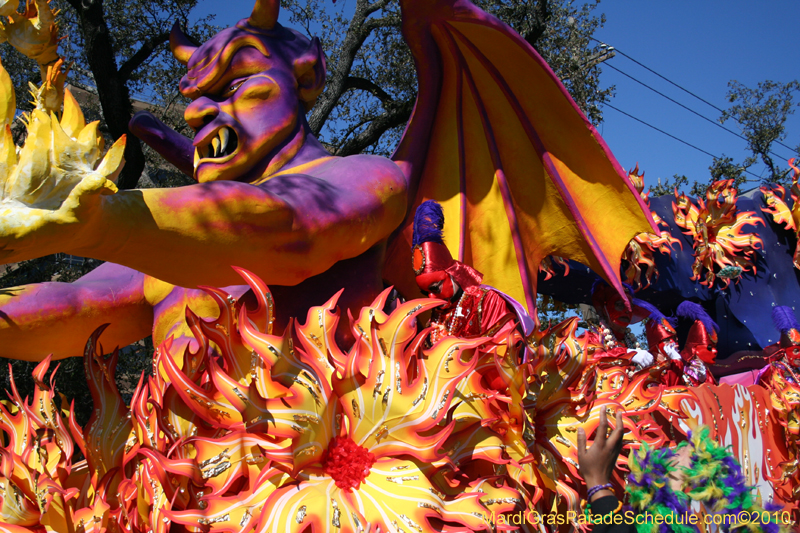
(520, 179)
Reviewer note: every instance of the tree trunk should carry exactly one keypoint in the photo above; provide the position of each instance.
(111, 86)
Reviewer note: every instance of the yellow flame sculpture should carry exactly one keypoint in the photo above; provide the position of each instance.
(252, 431)
(722, 248)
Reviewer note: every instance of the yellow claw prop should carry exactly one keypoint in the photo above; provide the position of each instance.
(53, 177)
(33, 32)
(59, 156)
(722, 249)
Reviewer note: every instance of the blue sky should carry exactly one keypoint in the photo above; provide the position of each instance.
(700, 45)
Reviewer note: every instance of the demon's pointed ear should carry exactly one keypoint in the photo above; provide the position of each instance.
(182, 48)
(309, 69)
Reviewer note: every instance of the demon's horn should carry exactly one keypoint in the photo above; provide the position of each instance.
(265, 14)
(182, 48)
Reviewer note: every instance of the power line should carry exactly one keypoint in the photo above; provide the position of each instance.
(687, 91)
(717, 124)
(673, 137)
(665, 78)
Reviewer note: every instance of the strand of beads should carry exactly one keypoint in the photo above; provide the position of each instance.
(457, 314)
(610, 341)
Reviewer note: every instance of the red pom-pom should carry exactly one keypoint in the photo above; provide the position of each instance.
(347, 463)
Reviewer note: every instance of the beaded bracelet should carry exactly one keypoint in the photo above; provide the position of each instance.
(597, 488)
(587, 510)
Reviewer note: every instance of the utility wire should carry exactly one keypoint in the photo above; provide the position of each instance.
(715, 123)
(676, 85)
(673, 137)
(665, 78)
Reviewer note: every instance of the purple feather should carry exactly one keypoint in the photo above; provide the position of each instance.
(428, 223)
(784, 319)
(694, 311)
(655, 314)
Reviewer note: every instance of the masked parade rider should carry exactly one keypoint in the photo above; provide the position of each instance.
(786, 359)
(699, 351)
(470, 309)
(662, 340)
(612, 337)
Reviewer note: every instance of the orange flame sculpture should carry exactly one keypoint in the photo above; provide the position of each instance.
(640, 251)
(248, 431)
(722, 249)
(547, 266)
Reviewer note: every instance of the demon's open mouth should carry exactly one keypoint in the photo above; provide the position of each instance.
(223, 144)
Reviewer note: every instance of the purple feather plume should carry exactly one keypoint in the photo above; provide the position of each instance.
(655, 314)
(694, 311)
(428, 223)
(784, 319)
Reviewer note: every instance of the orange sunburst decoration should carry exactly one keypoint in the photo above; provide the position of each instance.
(640, 251)
(777, 208)
(255, 432)
(258, 432)
(722, 249)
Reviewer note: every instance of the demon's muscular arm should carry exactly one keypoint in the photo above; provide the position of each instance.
(291, 227)
(44, 318)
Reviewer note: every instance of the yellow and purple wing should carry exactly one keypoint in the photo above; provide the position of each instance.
(518, 169)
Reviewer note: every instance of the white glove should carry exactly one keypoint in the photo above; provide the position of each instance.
(643, 358)
(672, 351)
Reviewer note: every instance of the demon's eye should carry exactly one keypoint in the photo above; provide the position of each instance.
(233, 88)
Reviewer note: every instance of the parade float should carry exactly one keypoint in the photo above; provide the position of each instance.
(292, 389)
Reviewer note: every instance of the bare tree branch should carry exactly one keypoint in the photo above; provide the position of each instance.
(147, 49)
(375, 6)
(357, 32)
(355, 82)
(392, 118)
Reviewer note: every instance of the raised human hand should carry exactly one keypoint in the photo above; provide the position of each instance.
(671, 350)
(52, 186)
(598, 462)
(643, 358)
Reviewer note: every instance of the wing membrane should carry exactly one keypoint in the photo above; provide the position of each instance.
(518, 169)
